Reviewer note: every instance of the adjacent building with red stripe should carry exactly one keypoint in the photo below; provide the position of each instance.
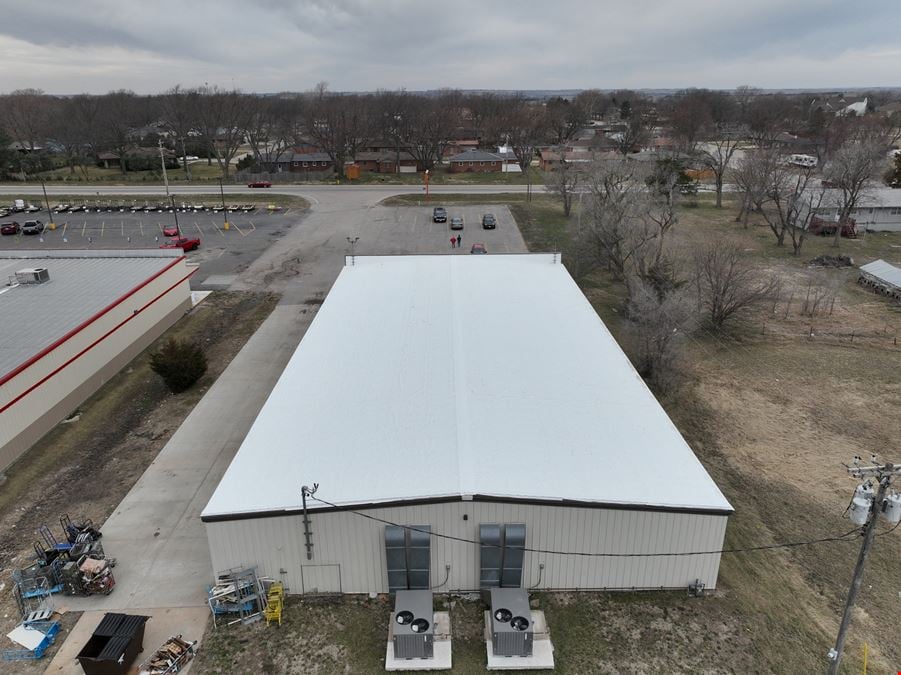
(69, 320)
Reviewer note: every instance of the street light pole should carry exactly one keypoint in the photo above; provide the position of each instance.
(225, 225)
(51, 224)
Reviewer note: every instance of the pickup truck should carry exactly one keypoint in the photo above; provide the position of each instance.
(184, 243)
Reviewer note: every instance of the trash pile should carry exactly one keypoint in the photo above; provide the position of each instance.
(75, 565)
(832, 261)
(170, 658)
(239, 595)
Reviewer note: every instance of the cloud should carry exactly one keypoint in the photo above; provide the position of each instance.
(274, 45)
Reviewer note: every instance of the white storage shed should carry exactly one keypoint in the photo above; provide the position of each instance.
(470, 422)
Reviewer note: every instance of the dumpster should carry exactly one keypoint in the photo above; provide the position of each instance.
(114, 646)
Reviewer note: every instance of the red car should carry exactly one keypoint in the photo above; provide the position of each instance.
(260, 184)
(184, 243)
(170, 231)
(9, 228)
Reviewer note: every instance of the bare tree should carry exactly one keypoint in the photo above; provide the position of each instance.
(118, 115)
(658, 324)
(689, 117)
(24, 115)
(851, 171)
(564, 119)
(563, 180)
(339, 125)
(617, 233)
(180, 116)
(728, 284)
(223, 117)
(717, 153)
(526, 128)
(270, 131)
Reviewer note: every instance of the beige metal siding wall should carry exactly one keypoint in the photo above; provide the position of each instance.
(357, 545)
(41, 407)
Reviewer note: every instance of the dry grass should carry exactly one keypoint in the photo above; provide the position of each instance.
(772, 413)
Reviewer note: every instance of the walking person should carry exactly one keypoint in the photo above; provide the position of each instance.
(453, 242)
(459, 241)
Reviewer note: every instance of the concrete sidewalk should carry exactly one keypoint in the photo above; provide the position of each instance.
(156, 534)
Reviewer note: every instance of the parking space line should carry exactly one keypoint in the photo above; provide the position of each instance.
(240, 231)
(65, 225)
(213, 223)
(122, 227)
(198, 227)
(253, 228)
(84, 226)
(102, 227)
(141, 226)
(161, 227)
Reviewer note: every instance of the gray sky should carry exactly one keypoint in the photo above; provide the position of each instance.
(94, 46)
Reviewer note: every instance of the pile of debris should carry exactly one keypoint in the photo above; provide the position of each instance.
(170, 658)
(75, 565)
(239, 594)
(832, 261)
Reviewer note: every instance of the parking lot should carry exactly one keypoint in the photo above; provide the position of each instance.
(413, 231)
(224, 249)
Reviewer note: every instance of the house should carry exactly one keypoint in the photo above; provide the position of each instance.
(477, 443)
(299, 162)
(475, 161)
(879, 212)
(138, 159)
(550, 158)
(387, 161)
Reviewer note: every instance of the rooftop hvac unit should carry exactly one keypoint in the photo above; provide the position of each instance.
(414, 625)
(892, 508)
(511, 624)
(33, 275)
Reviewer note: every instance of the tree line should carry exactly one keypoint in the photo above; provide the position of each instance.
(213, 123)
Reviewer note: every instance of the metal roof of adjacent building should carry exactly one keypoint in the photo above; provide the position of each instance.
(884, 272)
(455, 376)
(82, 283)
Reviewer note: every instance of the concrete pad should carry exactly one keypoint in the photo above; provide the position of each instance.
(441, 658)
(542, 657)
(189, 622)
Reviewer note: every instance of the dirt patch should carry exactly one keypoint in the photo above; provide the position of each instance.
(86, 467)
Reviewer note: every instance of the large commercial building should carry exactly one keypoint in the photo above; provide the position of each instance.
(69, 320)
(470, 422)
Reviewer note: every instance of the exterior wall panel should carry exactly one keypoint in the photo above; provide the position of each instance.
(109, 344)
(357, 545)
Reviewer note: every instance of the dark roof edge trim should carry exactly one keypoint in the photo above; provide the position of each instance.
(275, 513)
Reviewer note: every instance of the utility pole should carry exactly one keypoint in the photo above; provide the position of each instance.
(878, 506)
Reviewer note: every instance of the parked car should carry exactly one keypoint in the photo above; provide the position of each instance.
(184, 243)
(33, 208)
(9, 228)
(32, 227)
(259, 184)
(439, 215)
(76, 208)
(456, 223)
(489, 222)
(61, 208)
(478, 248)
(170, 231)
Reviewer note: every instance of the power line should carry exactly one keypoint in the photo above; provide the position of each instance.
(587, 554)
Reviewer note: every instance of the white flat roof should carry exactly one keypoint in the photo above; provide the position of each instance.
(446, 376)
